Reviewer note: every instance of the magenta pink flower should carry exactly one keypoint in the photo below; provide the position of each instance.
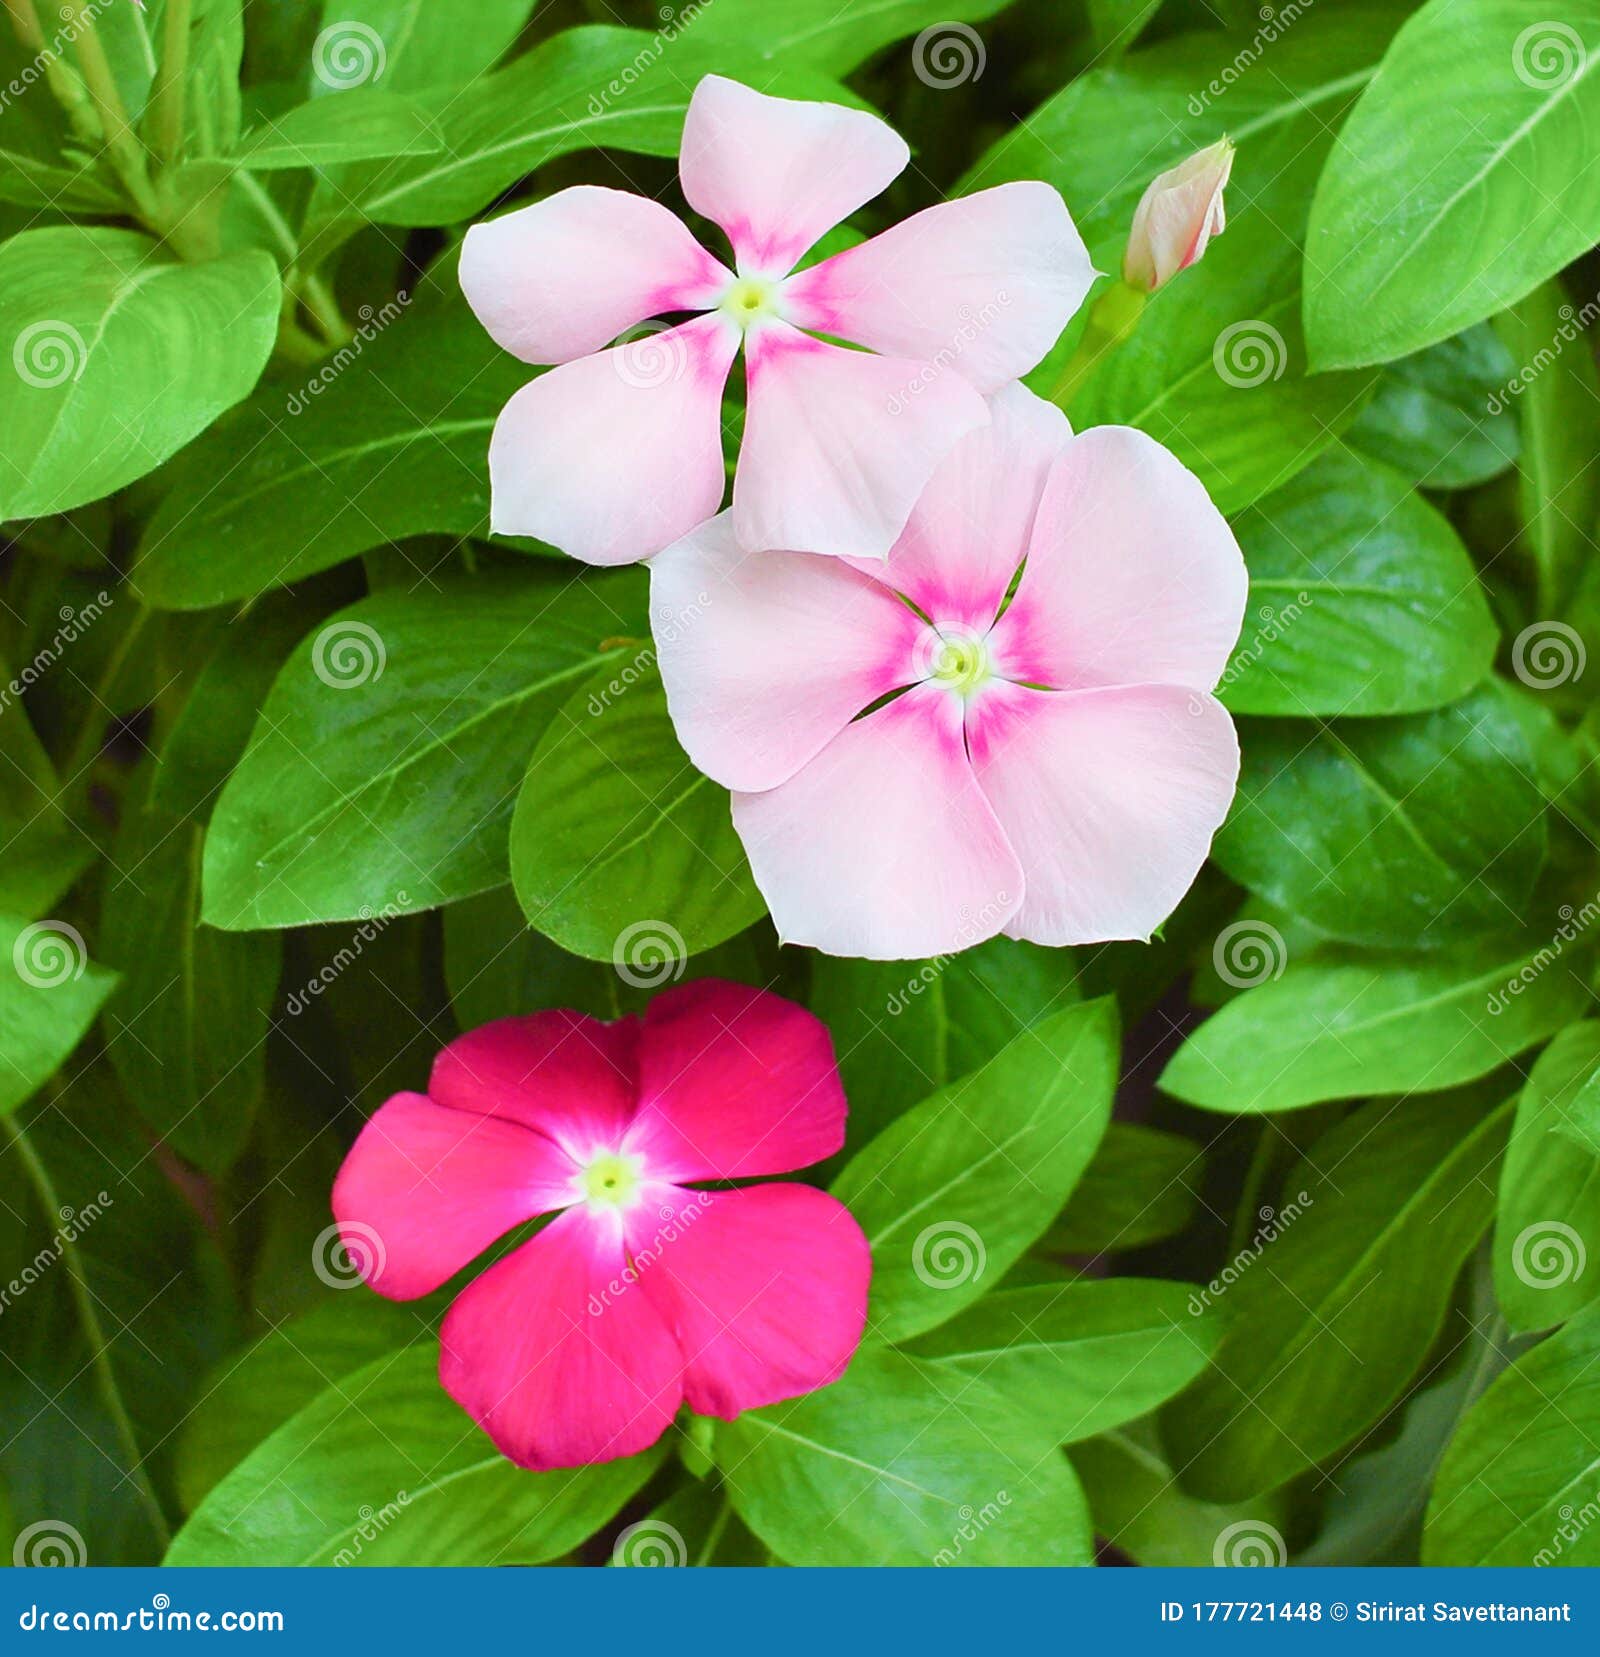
(580, 1345)
(918, 763)
(616, 453)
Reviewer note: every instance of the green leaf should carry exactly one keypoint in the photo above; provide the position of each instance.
(1348, 1024)
(1440, 416)
(424, 45)
(498, 967)
(1518, 1484)
(383, 1469)
(1083, 1356)
(840, 35)
(1450, 191)
(355, 126)
(388, 439)
(50, 993)
(1414, 830)
(1548, 1222)
(382, 774)
(620, 849)
(1329, 1318)
(1362, 599)
(123, 357)
(902, 1464)
(951, 1193)
(44, 851)
(1143, 1184)
(694, 1526)
(903, 1028)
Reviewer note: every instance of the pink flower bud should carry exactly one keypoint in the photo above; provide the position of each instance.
(1178, 214)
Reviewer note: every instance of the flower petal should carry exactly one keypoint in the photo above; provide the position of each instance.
(570, 1077)
(565, 276)
(1110, 797)
(883, 846)
(765, 1288)
(838, 444)
(614, 456)
(1133, 575)
(734, 1082)
(776, 174)
(426, 1189)
(766, 656)
(970, 528)
(981, 286)
(559, 1359)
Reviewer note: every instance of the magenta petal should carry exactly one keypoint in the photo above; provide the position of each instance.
(565, 276)
(426, 1189)
(1133, 575)
(767, 656)
(775, 173)
(558, 1358)
(734, 1082)
(983, 284)
(614, 456)
(570, 1077)
(765, 1288)
(884, 846)
(839, 444)
(1111, 798)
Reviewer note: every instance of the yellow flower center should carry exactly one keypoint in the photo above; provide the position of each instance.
(749, 299)
(611, 1181)
(962, 663)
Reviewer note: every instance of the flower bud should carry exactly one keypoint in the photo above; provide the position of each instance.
(1178, 214)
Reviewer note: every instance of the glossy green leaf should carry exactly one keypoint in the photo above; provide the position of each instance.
(355, 126)
(419, 43)
(50, 992)
(839, 35)
(1142, 1185)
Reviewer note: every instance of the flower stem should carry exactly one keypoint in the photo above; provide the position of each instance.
(1112, 318)
(167, 94)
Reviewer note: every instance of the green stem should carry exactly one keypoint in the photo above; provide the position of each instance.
(122, 144)
(1255, 1180)
(1112, 318)
(83, 1298)
(167, 94)
(318, 299)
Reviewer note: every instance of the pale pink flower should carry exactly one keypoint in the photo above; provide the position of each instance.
(919, 764)
(1178, 214)
(616, 453)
